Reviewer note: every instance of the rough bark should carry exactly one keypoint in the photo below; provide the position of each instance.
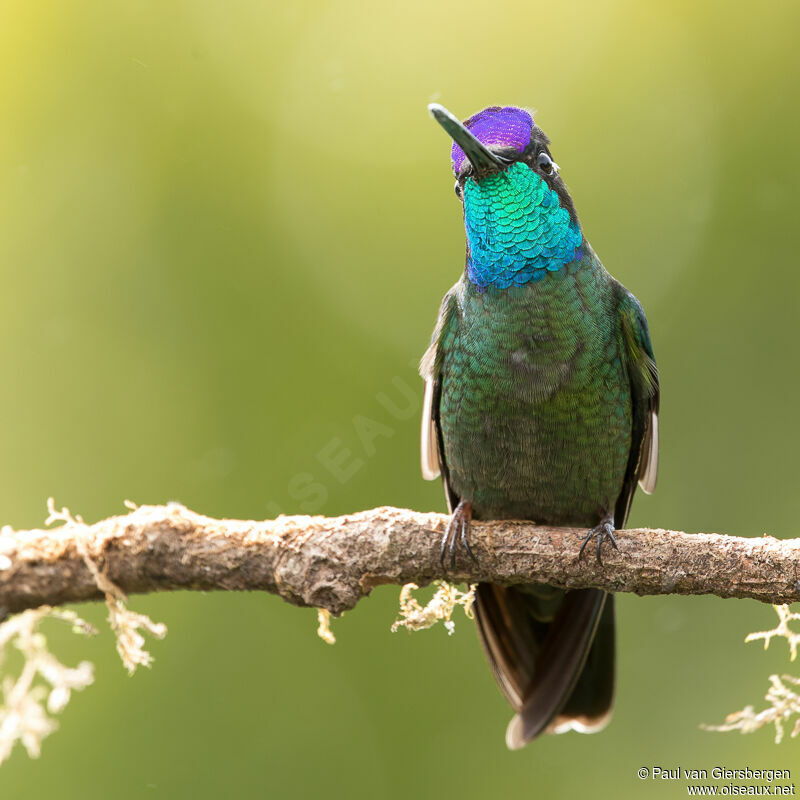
(331, 563)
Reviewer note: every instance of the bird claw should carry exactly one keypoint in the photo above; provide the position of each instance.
(457, 530)
(603, 531)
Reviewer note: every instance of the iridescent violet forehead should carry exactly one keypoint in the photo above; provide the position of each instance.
(503, 127)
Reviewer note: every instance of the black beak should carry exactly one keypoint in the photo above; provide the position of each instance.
(481, 159)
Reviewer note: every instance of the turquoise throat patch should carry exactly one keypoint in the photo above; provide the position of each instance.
(516, 229)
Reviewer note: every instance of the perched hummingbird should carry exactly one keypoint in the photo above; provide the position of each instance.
(541, 403)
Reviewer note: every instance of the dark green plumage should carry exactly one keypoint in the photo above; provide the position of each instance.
(541, 404)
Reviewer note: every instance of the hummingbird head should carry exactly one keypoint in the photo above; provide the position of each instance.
(520, 220)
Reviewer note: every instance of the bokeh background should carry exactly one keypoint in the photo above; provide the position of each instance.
(225, 229)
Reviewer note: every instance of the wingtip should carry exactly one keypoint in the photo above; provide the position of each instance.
(647, 482)
(429, 446)
(648, 487)
(427, 473)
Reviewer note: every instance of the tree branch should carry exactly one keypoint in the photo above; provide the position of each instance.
(332, 562)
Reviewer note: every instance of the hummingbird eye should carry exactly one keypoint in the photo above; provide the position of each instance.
(546, 164)
(457, 188)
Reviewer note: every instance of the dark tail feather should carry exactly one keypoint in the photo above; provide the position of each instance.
(538, 639)
(588, 708)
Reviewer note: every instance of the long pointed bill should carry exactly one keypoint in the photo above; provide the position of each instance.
(479, 156)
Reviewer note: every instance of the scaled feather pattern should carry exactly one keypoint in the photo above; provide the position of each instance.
(517, 229)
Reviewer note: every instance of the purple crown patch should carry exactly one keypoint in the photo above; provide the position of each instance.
(506, 127)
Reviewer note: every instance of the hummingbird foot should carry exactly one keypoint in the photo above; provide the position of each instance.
(457, 531)
(603, 531)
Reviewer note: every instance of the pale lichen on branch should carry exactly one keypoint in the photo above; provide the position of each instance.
(783, 701)
(324, 626)
(43, 686)
(124, 622)
(26, 713)
(440, 608)
(782, 630)
(330, 564)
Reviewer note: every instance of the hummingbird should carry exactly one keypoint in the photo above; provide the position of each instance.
(541, 403)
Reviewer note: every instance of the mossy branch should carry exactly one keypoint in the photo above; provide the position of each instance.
(331, 563)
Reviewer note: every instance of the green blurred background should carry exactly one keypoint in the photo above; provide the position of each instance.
(225, 229)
